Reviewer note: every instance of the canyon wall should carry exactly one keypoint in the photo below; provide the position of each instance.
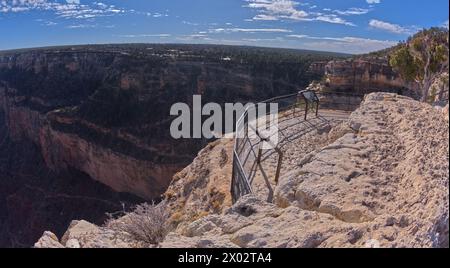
(367, 75)
(80, 125)
(34, 198)
(345, 82)
(63, 149)
(104, 110)
(362, 76)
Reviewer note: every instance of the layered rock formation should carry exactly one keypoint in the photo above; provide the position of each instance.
(104, 110)
(202, 187)
(362, 76)
(70, 137)
(381, 181)
(365, 75)
(346, 81)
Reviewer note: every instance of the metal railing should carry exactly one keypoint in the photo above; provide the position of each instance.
(248, 155)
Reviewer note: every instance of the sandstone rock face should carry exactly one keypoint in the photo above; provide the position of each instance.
(119, 171)
(382, 181)
(64, 149)
(318, 67)
(361, 76)
(366, 74)
(48, 240)
(203, 187)
(82, 234)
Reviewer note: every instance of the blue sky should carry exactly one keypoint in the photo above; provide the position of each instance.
(351, 26)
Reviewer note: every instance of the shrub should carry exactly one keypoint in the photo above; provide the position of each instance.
(148, 223)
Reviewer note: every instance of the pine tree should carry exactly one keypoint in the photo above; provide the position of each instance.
(423, 58)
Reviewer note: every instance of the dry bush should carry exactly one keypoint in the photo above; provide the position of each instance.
(148, 223)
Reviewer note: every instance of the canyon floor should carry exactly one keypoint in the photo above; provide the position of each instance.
(378, 179)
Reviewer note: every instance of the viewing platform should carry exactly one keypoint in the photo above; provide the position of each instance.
(304, 123)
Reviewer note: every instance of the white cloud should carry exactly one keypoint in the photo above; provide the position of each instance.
(271, 10)
(333, 19)
(389, 27)
(81, 26)
(445, 24)
(373, 1)
(355, 45)
(256, 40)
(264, 17)
(278, 8)
(70, 9)
(245, 30)
(190, 23)
(145, 35)
(352, 11)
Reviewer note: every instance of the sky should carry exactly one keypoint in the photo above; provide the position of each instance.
(348, 26)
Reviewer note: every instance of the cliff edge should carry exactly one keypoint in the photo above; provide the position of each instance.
(381, 181)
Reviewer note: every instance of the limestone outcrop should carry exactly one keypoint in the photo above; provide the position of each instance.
(82, 234)
(362, 76)
(203, 187)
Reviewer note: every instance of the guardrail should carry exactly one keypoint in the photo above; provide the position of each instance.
(248, 156)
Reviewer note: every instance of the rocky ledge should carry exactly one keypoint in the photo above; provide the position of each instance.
(367, 75)
(383, 182)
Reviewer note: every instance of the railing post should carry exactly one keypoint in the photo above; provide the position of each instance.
(258, 160)
(306, 109)
(280, 162)
(246, 126)
(234, 196)
(317, 109)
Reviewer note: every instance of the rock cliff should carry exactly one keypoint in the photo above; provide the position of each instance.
(364, 74)
(104, 110)
(381, 181)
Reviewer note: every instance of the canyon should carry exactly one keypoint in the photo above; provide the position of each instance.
(88, 126)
